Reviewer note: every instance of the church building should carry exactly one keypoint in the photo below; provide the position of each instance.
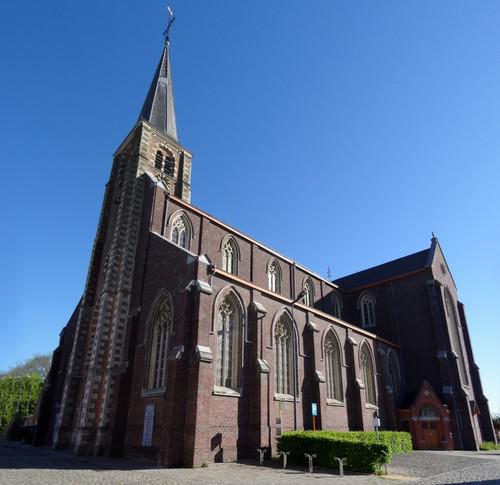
(194, 343)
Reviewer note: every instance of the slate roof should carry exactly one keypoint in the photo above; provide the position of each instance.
(385, 271)
(158, 107)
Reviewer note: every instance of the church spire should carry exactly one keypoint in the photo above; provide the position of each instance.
(158, 107)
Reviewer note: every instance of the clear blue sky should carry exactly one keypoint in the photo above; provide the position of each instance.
(340, 133)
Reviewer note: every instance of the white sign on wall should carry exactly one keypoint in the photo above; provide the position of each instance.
(149, 417)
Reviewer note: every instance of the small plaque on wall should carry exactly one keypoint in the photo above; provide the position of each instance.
(149, 416)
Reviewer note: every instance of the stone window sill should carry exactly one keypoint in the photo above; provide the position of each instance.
(153, 392)
(285, 397)
(334, 402)
(370, 406)
(224, 391)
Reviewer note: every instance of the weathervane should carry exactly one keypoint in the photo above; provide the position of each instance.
(171, 20)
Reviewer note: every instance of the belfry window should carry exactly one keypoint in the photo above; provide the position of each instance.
(283, 340)
(169, 164)
(333, 364)
(165, 162)
(366, 364)
(308, 287)
(159, 160)
(230, 257)
(367, 306)
(181, 233)
(274, 276)
(229, 333)
(161, 328)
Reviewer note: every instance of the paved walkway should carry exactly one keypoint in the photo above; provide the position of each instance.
(22, 464)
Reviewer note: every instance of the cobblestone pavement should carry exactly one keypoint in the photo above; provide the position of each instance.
(22, 464)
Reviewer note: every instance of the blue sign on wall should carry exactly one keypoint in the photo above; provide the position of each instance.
(314, 409)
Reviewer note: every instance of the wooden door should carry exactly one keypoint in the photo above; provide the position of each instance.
(430, 434)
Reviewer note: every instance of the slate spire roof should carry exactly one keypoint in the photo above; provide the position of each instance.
(158, 107)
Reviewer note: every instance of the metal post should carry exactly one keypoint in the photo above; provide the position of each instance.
(310, 458)
(342, 462)
(294, 371)
(261, 452)
(285, 457)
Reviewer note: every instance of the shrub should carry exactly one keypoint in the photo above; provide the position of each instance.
(488, 446)
(361, 456)
(397, 441)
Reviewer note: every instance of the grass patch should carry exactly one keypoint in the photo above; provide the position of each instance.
(488, 446)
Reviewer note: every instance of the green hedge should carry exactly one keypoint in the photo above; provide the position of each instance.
(397, 441)
(361, 456)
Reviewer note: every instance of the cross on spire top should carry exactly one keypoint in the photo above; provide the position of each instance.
(171, 20)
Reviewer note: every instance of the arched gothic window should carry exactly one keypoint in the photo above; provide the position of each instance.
(158, 160)
(394, 375)
(333, 364)
(181, 232)
(230, 257)
(336, 306)
(229, 337)
(161, 327)
(274, 276)
(455, 335)
(367, 307)
(366, 364)
(283, 340)
(308, 287)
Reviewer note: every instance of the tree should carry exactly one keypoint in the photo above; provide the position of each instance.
(18, 395)
(37, 364)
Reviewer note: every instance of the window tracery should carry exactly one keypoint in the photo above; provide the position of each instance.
(284, 355)
(366, 364)
(230, 257)
(367, 306)
(274, 277)
(229, 346)
(333, 363)
(181, 232)
(161, 328)
(308, 287)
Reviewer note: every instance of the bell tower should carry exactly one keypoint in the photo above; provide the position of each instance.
(162, 155)
(88, 420)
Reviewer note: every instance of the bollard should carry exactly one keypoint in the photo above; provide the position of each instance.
(261, 452)
(342, 462)
(310, 458)
(285, 456)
